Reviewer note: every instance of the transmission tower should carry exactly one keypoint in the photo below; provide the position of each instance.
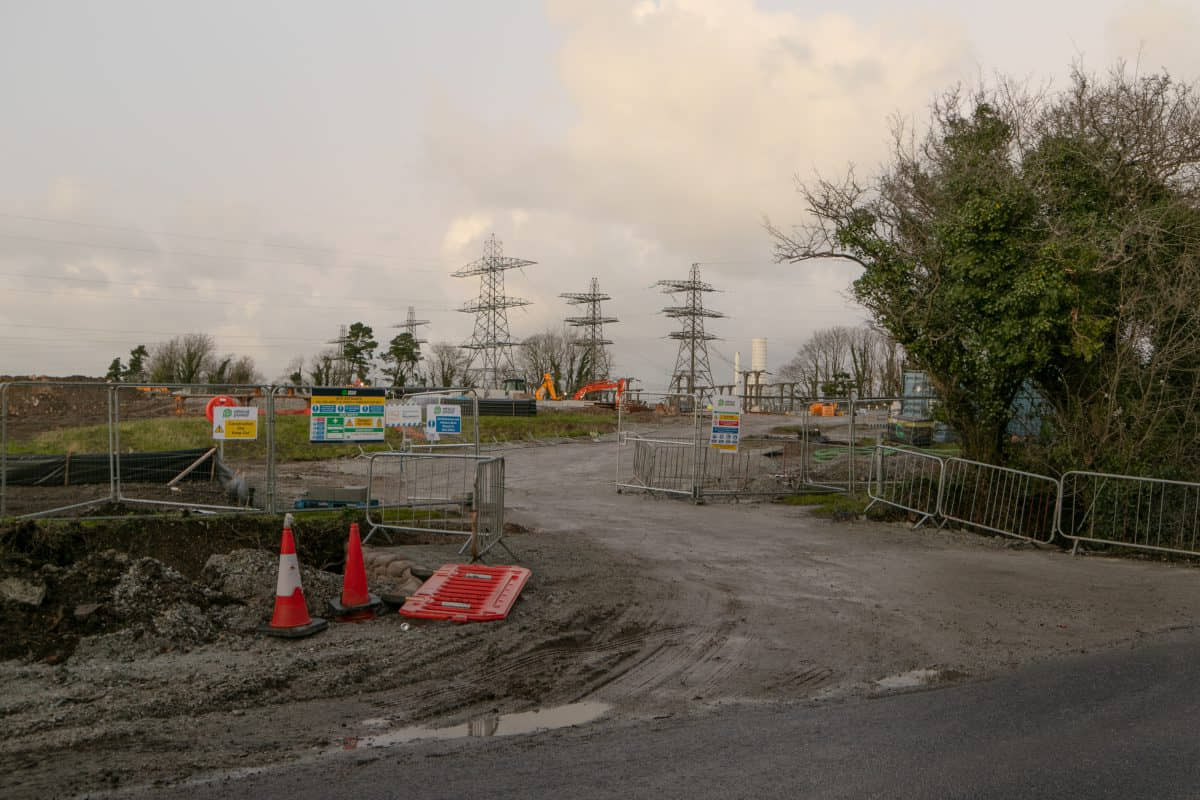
(691, 364)
(491, 339)
(410, 326)
(592, 342)
(342, 364)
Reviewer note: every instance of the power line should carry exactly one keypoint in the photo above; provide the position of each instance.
(164, 287)
(189, 254)
(140, 332)
(225, 303)
(132, 229)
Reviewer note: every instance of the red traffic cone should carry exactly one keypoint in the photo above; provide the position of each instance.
(357, 603)
(291, 620)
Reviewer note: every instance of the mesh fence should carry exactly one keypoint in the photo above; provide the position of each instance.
(657, 440)
(55, 450)
(168, 452)
(455, 494)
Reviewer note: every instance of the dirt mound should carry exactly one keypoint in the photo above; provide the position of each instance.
(141, 586)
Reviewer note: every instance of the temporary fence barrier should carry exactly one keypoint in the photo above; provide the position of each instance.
(441, 493)
(228, 429)
(999, 499)
(658, 436)
(325, 455)
(839, 435)
(434, 434)
(1127, 511)
(56, 450)
(906, 479)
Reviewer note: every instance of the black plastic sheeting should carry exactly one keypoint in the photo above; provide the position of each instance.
(80, 468)
(494, 407)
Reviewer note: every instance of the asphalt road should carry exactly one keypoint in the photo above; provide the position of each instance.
(1119, 724)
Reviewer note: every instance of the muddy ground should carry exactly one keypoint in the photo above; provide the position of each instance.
(652, 606)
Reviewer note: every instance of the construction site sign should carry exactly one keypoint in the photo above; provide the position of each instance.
(235, 423)
(402, 415)
(347, 414)
(441, 419)
(726, 424)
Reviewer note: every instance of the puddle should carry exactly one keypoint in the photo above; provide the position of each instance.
(909, 680)
(486, 725)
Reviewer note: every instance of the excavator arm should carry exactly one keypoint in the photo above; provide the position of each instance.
(599, 386)
(547, 388)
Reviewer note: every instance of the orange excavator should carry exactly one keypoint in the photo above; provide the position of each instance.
(599, 386)
(547, 388)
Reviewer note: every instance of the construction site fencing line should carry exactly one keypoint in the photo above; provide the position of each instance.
(906, 479)
(658, 436)
(223, 476)
(466, 399)
(438, 493)
(1007, 501)
(1128, 511)
(80, 474)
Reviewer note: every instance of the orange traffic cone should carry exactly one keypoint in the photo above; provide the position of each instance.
(357, 603)
(291, 620)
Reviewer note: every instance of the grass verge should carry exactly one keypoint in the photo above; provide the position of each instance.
(291, 436)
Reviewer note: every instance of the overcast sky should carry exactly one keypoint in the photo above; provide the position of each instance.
(267, 171)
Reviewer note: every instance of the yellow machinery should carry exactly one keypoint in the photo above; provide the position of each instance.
(547, 388)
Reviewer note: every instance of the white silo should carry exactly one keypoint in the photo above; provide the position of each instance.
(758, 356)
(758, 366)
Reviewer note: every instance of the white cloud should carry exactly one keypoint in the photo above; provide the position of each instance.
(464, 232)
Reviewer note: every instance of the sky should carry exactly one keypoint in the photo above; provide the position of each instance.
(265, 172)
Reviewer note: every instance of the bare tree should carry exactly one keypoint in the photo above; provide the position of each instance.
(234, 371)
(293, 373)
(449, 365)
(554, 351)
(327, 368)
(836, 359)
(184, 359)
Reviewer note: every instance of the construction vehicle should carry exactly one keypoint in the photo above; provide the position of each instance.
(820, 409)
(601, 386)
(547, 388)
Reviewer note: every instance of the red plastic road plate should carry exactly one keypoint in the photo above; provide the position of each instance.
(467, 593)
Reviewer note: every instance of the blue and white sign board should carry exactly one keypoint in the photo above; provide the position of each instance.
(442, 419)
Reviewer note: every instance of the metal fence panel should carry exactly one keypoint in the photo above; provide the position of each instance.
(312, 476)
(906, 479)
(454, 494)
(658, 438)
(1128, 511)
(489, 506)
(55, 447)
(416, 439)
(838, 439)
(164, 430)
(999, 499)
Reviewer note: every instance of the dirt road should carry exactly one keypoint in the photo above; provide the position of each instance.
(653, 606)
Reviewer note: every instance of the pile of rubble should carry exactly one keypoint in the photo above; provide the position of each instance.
(113, 605)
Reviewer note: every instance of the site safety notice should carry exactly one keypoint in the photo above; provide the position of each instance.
(347, 415)
(235, 423)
